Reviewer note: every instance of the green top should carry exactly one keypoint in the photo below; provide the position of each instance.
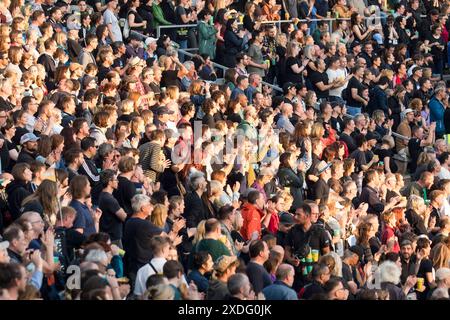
(215, 248)
(158, 16)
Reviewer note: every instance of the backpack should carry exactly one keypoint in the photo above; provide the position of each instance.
(126, 27)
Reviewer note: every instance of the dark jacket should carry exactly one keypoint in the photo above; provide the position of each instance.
(217, 290)
(17, 190)
(89, 169)
(26, 157)
(233, 45)
(378, 100)
(195, 210)
(294, 181)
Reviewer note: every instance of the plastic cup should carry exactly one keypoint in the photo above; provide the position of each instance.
(315, 255)
(420, 284)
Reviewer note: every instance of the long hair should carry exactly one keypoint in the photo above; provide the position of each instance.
(363, 230)
(47, 195)
(440, 255)
(159, 215)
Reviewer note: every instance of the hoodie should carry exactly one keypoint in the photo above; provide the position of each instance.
(17, 190)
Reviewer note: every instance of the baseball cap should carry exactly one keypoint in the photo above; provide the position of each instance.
(287, 86)
(28, 137)
(224, 262)
(408, 110)
(358, 250)
(163, 110)
(286, 219)
(322, 166)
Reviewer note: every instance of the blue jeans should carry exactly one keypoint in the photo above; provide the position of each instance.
(353, 111)
(183, 45)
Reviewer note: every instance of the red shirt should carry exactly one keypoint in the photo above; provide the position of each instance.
(388, 234)
(274, 223)
(252, 220)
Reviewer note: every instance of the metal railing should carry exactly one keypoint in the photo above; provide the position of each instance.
(395, 134)
(276, 22)
(216, 65)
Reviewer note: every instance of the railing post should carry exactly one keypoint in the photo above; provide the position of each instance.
(158, 32)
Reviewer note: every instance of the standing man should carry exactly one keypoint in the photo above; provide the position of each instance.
(112, 22)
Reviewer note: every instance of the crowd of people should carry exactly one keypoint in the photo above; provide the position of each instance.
(315, 165)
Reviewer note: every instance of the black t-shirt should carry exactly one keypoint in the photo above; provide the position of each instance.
(136, 241)
(360, 159)
(316, 237)
(349, 141)
(258, 276)
(353, 83)
(109, 221)
(102, 72)
(383, 153)
(426, 266)
(170, 78)
(317, 77)
(291, 76)
(321, 191)
(347, 273)
(181, 32)
(124, 192)
(435, 51)
(414, 149)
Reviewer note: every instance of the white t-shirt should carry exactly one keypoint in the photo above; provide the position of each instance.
(110, 18)
(444, 173)
(335, 74)
(145, 272)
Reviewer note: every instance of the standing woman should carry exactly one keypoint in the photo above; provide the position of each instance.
(294, 67)
(184, 15)
(158, 15)
(19, 188)
(359, 28)
(85, 222)
(437, 45)
(290, 179)
(207, 34)
(250, 19)
(389, 237)
(235, 42)
(135, 20)
(220, 22)
(424, 267)
(396, 105)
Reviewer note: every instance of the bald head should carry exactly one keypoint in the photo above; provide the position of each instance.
(278, 249)
(287, 109)
(35, 219)
(285, 273)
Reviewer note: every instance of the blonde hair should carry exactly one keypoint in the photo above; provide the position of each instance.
(414, 203)
(200, 234)
(317, 130)
(127, 106)
(387, 73)
(159, 215)
(440, 256)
